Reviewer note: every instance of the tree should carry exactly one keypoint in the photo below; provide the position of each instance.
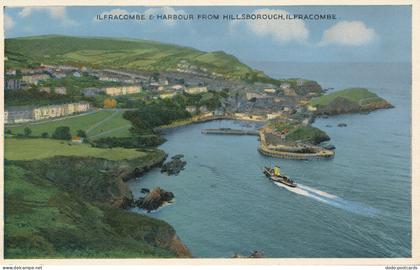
(81, 133)
(8, 131)
(110, 103)
(27, 132)
(62, 133)
(44, 135)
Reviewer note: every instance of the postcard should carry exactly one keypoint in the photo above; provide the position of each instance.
(231, 132)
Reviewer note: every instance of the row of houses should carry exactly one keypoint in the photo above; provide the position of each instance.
(21, 114)
(112, 90)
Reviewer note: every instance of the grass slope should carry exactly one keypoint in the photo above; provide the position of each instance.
(358, 95)
(31, 149)
(97, 125)
(120, 53)
(44, 221)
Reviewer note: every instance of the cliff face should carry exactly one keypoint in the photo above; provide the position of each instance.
(354, 100)
(71, 207)
(94, 179)
(342, 105)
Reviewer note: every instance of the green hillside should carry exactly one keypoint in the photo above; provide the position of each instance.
(351, 94)
(43, 220)
(104, 123)
(351, 100)
(122, 53)
(30, 149)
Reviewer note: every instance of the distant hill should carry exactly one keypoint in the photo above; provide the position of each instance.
(130, 54)
(349, 100)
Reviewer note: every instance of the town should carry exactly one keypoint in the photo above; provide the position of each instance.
(248, 101)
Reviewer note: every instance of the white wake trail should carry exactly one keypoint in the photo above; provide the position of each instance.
(319, 192)
(330, 199)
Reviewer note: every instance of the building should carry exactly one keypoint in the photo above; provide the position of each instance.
(46, 89)
(251, 95)
(311, 108)
(21, 114)
(58, 75)
(270, 90)
(289, 92)
(300, 82)
(284, 86)
(59, 110)
(167, 95)
(273, 115)
(177, 87)
(196, 90)
(12, 84)
(122, 90)
(76, 140)
(60, 90)
(278, 100)
(92, 91)
(203, 109)
(11, 72)
(35, 78)
(18, 114)
(191, 109)
(108, 79)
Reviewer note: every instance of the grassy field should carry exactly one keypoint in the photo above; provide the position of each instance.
(29, 149)
(98, 124)
(359, 95)
(42, 220)
(120, 54)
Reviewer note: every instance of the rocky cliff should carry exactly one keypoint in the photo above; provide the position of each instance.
(71, 207)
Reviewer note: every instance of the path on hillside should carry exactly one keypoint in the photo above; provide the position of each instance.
(110, 131)
(101, 122)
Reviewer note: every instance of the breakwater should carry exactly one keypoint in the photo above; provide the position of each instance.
(292, 152)
(229, 131)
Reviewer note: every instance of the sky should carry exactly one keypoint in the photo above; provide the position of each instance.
(358, 34)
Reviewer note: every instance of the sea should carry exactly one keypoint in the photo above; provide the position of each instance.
(356, 205)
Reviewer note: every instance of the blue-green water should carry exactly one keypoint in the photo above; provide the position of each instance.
(355, 205)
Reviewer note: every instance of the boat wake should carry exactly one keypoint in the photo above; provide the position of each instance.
(330, 199)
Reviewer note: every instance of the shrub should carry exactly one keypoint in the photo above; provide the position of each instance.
(81, 133)
(27, 132)
(62, 133)
(44, 135)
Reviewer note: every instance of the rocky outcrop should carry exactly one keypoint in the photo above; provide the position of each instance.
(86, 228)
(174, 166)
(254, 254)
(342, 105)
(95, 179)
(154, 199)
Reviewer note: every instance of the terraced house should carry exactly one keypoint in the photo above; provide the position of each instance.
(122, 90)
(21, 114)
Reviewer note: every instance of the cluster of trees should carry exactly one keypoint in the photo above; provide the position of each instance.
(129, 142)
(212, 99)
(154, 114)
(60, 133)
(110, 103)
(63, 133)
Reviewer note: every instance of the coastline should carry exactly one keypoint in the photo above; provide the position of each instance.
(202, 119)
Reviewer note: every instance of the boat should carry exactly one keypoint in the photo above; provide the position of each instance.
(277, 177)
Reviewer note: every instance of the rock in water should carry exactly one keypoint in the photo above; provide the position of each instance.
(179, 156)
(342, 125)
(145, 190)
(329, 147)
(154, 199)
(174, 166)
(256, 254)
